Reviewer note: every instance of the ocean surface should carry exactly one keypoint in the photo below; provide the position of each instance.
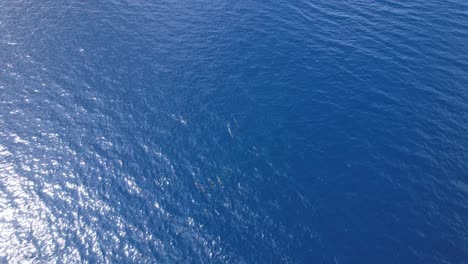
(307, 131)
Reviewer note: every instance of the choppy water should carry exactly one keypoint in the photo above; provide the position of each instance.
(234, 131)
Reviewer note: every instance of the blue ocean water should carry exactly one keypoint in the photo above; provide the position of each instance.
(227, 131)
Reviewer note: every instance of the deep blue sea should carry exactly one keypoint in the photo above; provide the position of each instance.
(274, 131)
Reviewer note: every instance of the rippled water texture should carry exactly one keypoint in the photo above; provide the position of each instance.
(234, 131)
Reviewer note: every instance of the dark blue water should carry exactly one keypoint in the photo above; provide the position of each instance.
(227, 131)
